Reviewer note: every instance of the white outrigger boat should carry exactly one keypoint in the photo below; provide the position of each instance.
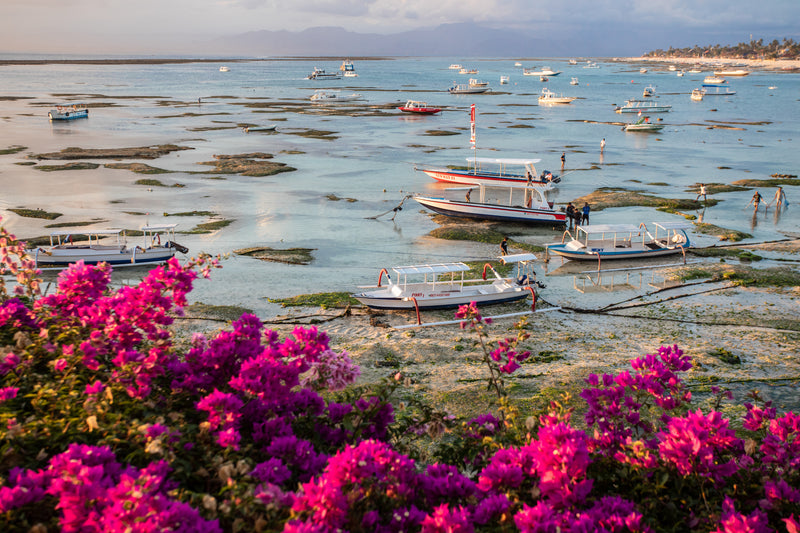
(465, 88)
(636, 106)
(323, 96)
(62, 251)
(442, 286)
(622, 241)
(497, 172)
(508, 203)
(68, 112)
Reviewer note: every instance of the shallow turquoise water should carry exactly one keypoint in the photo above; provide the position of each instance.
(372, 158)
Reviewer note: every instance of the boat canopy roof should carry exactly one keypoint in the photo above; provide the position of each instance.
(159, 227)
(673, 224)
(609, 228)
(503, 160)
(517, 258)
(437, 268)
(78, 231)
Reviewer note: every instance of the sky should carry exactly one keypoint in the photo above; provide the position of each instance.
(164, 26)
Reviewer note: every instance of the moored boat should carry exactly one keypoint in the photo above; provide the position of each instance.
(332, 97)
(69, 112)
(421, 108)
(468, 71)
(643, 124)
(465, 88)
(442, 285)
(636, 106)
(717, 90)
(489, 170)
(648, 91)
(320, 74)
(549, 97)
(224, 69)
(477, 83)
(574, 81)
(63, 251)
(697, 94)
(455, 66)
(508, 203)
(712, 81)
(545, 71)
(622, 241)
(504, 80)
(732, 72)
(348, 69)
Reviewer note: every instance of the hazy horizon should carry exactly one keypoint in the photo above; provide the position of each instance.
(580, 27)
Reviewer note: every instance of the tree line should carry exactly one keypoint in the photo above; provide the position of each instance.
(755, 49)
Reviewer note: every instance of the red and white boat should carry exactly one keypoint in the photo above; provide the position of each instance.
(507, 203)
(494, 171)
(420, 108)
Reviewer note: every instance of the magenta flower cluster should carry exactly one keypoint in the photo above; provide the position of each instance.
(95, 493)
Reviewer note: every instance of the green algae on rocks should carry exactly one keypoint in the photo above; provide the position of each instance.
(291, 256)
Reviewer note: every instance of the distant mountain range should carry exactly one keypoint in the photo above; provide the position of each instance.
(448, 40)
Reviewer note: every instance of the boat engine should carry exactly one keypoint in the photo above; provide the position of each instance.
(181, 248)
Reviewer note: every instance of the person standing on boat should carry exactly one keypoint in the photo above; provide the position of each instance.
(702, 193)
(585, 213)
(469, 193)
(504, 246)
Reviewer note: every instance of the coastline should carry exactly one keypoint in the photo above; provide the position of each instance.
(755, 64)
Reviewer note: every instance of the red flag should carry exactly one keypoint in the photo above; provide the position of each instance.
(472, 126)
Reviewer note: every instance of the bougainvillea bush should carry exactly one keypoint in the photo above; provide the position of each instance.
(108, 424)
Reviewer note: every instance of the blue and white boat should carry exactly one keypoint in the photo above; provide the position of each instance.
(622, 241)
(69, 112)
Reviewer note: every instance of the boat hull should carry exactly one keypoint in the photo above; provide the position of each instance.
(649, 128)
(91, 256)
(644, 109)
(419, 111)
(492, 212)
(68, 115)
(592, 254)
(443, 300)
